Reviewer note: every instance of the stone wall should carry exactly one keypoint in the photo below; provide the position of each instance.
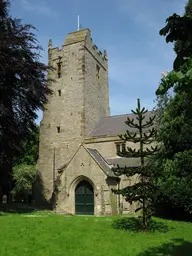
(106, 145)
(96, 86)
(74, 107)
(107, 148)
(84, 167)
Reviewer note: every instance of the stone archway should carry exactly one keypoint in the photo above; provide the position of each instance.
(84, 198)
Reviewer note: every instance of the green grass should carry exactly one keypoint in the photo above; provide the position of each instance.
(57, 235)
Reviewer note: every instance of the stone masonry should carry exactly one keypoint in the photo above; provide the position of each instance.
(79, 99)
(78, 136)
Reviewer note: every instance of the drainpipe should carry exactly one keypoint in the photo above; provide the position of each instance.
(119, 196)
(53, 169)
(53, 193)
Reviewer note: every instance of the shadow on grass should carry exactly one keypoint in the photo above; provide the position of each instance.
(38, 203)
(18, 208)
(134, 224)
(166, 210)
(177, 247)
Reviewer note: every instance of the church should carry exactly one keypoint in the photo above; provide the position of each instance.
(78, 137)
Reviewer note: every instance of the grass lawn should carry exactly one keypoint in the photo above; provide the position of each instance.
(48, 234)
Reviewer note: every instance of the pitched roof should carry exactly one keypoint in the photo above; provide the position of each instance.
(123, 161)
(101, 162)
(115, 125)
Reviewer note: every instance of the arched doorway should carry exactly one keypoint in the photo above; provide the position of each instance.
(84, 199)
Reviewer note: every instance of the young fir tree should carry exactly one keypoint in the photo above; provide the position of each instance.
(144, 190)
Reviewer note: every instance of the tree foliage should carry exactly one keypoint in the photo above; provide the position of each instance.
(161, 103)
(176, 181)
(23, 177)
(29, 152)
(180, 80)
(175, 137)
(23, 85)
(179, 29)
(175, 133)
(24, 167)
(144, 190)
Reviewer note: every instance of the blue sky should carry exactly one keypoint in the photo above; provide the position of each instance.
(127, 29)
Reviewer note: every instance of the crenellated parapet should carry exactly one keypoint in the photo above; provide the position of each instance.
(81, 36)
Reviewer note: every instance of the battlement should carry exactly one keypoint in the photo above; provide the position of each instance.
(77, 36)
(83, 35)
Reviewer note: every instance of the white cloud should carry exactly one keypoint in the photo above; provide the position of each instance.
(40, 7)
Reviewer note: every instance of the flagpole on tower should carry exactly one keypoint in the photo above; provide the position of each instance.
(78, 23)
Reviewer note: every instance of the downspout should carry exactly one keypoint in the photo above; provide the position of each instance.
(119, 196)
(53, 199)
(53, 169)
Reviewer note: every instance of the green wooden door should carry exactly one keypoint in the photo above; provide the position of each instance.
(84, 199)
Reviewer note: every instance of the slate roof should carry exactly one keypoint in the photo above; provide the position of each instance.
(101, 162)
(122, 161)
(114, 125)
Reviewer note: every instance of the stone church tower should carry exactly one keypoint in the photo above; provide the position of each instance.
(80, 98)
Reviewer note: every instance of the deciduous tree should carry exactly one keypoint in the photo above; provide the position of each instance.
(175, 133)
(23, 86)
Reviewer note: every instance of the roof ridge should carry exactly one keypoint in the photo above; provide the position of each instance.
(117, 115)
(103, 159)
(100, 156)
(125, 114)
